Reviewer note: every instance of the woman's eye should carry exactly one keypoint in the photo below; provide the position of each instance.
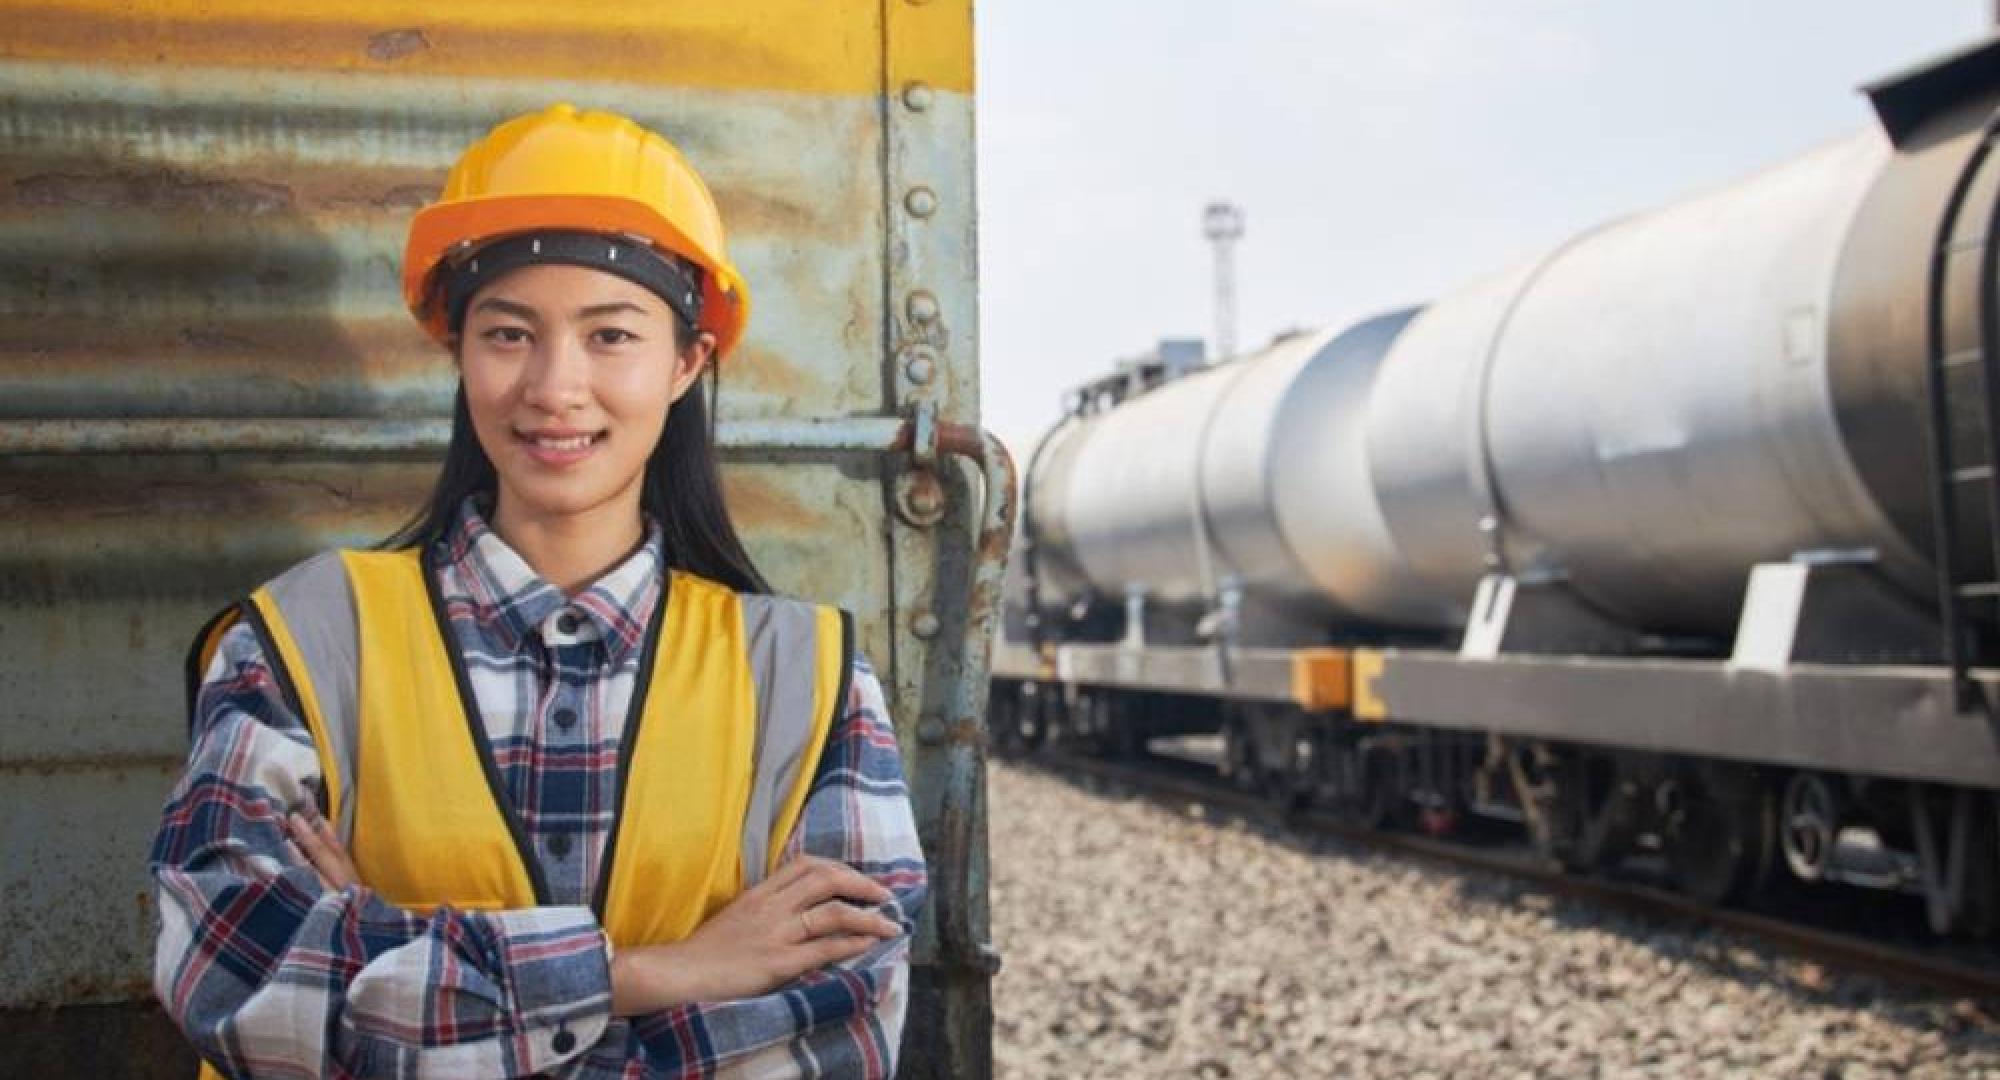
(612, 335)
(506, 335)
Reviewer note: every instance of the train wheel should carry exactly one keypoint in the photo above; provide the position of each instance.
(1127, 738)
(1362, 781)
(1720, 833)
(1003, 718)
(1031, 716)
(1111, 725)
(1957, 872)
(1809, 824)
(1302, 768)
(1549, 788)
(1239, 754)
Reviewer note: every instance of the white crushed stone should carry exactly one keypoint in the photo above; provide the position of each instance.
(1143, 942)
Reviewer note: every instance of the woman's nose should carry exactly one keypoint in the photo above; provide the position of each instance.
(559, 377)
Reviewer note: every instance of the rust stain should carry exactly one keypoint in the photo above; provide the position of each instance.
(161, 189)
(397, 199)
(750, 211)
(761, 370)
(765, 507)
(390, 46)
(97, 766)
(357, 188)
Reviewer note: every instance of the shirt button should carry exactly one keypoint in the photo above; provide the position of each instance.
(565, 718)
(563, 1043)
(559, 845)
(567, 623)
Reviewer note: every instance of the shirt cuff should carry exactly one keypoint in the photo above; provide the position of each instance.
(559, 962)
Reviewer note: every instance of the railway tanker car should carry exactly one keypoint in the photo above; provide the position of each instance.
(1675, 541)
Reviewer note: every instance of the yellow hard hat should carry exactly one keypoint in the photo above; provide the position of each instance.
(579, 171)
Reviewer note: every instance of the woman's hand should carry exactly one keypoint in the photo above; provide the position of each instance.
(313, 835)
(800, 919)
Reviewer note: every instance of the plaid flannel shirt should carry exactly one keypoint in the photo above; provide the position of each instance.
(272, 975)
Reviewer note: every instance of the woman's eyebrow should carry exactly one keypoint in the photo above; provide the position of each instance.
(612, 308)
(507, 307)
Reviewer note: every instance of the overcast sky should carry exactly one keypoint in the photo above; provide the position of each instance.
(1383, 151)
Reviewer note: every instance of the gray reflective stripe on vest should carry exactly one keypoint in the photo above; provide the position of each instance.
(318, 608)
(781, 636)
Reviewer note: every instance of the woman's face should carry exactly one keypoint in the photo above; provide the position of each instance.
(569, 373)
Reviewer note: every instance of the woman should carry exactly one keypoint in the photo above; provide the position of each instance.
(549, 784)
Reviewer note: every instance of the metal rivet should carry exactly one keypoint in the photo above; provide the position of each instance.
(917, 96)
(921, 202)
(920, 498)
(924, 625)
(923, 306)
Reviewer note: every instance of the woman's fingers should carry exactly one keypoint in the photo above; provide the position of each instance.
(820, 880)
(835, 919)
(307, 840)
(316, 839)
(838, 949)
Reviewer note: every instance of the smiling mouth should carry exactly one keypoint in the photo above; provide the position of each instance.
(560, 451)
(564, 443)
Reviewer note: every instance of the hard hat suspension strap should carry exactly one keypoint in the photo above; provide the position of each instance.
(632, 258)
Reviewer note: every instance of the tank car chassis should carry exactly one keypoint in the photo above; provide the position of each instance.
(1777, 763)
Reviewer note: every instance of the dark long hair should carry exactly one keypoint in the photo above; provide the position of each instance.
(682, 490)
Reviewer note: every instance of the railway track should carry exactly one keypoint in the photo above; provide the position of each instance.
(1183, 781)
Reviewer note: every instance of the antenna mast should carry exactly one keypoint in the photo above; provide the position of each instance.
(1222, 223)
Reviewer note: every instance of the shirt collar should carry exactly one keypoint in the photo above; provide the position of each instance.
(509, 601)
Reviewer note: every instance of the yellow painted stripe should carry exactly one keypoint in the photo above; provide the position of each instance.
(930, 41)
(809, 46)
(1368, 704)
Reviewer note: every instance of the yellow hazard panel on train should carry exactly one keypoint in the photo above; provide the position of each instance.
(1320, 679)
(1367, 666)
(808, 46)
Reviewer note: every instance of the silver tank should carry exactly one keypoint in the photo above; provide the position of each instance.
(1645, 412)
(1251, 474)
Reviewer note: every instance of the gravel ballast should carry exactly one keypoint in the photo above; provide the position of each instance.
(1141, 940)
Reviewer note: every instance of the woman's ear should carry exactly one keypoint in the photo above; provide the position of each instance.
(689, 363)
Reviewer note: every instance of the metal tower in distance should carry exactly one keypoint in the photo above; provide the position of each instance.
(1222, 223)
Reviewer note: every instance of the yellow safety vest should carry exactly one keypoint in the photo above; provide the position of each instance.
(732, 706)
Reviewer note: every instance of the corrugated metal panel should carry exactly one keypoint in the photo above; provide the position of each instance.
(206, 373)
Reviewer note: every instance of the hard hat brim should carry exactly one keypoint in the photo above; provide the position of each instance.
(441, 227)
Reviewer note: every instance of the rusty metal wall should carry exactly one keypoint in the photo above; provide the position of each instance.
(206, 374)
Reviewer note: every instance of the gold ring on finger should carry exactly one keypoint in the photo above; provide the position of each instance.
(805, 920)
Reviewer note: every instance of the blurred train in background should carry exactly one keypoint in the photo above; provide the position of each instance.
(1676, 542)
